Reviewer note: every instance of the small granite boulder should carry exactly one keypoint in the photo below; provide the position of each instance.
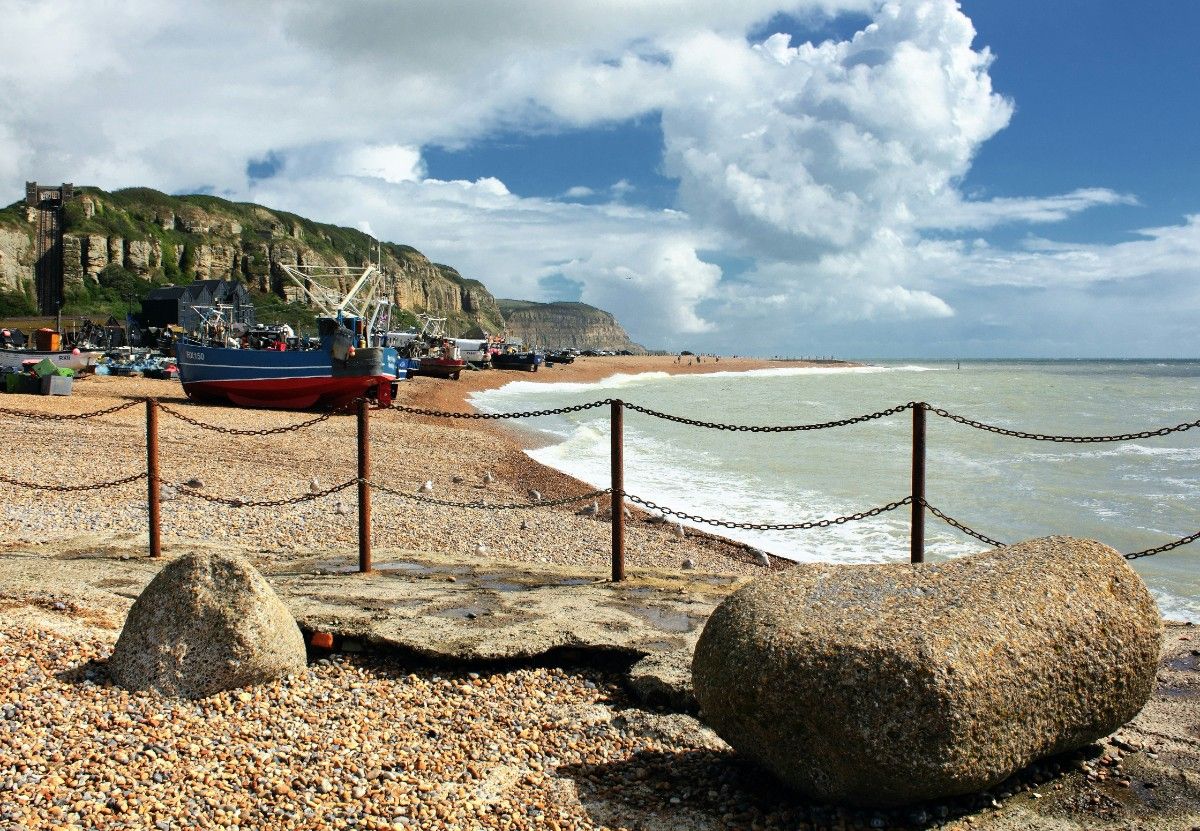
(206, 623)
(881, 685)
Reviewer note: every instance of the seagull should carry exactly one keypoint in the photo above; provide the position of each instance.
(688, 564)
(314, 485)
(656, 518)
(524, 525)
(760, 557)
(535, 495)
(626, 512)
(426, 486)
(340, 510)
(590, 510)
(456, 479)
(679, 532)
(489, 477)
(481, 550)
(193, 483)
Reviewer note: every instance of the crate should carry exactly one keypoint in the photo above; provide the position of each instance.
(57, 385)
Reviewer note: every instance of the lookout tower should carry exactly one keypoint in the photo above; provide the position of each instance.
(48, 269)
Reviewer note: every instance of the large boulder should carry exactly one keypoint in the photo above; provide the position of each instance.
(206, 623)
(880, 685)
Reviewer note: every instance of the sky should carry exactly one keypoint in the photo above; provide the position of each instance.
(856, 178)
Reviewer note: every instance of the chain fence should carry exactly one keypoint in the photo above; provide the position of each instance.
(192, 491)
(94, 486)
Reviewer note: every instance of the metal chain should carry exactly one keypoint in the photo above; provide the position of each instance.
(1132, 556)
(749, 428)
(263, 503)
(69, 417)
(39, 486)
(1020, 434)
(751, 526)
(949, 520)
(234, 431)
(1151, 551)
(492, 506)
(529, 414)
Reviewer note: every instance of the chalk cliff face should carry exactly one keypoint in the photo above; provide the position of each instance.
(563, 325)
(178, 239)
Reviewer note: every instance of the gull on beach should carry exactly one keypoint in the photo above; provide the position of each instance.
(489, 477)
(679, 532)
(341, 508)
(426, 486)
(656, 518)
(456, 479)
(314, 485)
(534, 495)
(193, 483)
(760, 557)
(524, 525)
(480, 549)
(688, 564)
(590, 510)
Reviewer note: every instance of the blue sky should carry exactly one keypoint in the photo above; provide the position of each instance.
(849, 177)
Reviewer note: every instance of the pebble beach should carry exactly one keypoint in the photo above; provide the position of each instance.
(376, 741)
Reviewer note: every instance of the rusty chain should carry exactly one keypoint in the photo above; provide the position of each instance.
(1021, 434)
(236, 432)
(261, 503)
(949, 520)
(39, 486)
(782, 428)
(751, 526)
(1151, 551)
(492, 506)
(69, 416)
(529, 414)
(1182, 541)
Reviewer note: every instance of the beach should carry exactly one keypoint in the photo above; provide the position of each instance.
(385, 740)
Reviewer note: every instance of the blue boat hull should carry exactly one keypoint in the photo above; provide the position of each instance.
(290, 380)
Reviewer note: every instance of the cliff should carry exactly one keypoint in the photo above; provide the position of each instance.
(562, 325)
(173, 239)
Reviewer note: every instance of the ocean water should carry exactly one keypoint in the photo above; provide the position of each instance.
(1131, 495)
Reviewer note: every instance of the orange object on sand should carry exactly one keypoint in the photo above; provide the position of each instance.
(321, 640)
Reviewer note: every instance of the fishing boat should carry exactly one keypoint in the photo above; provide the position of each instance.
(344, 363)
(435, 354)
(11, 355)
(512, 355)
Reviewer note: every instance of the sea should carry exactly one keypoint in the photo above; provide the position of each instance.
(1132, 495)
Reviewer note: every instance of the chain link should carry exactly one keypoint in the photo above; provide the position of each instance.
(40, 486)
(529, 414)
(491, 506)
(751, 526)
(949, 520)
(754, 428)
(262, 503)
(236, 432)
(1020, 434)
(1151, 551)
(69, 416)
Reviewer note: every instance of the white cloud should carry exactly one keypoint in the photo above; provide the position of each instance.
(834, 167)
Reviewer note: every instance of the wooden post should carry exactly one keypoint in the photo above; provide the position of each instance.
(364, 489)
(617, 503)
(917, 553)
(153, 485)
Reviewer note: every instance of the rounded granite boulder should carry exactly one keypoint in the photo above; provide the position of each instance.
(881, 685)
(206, 623)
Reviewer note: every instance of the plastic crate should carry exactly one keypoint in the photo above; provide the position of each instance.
(57, 385)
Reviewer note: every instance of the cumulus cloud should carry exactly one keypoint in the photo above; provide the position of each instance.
(832, 168)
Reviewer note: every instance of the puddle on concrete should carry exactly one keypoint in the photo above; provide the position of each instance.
(1178, 692)
(668, 620)
(1184, 663)
(657, 646)
(504, 585)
